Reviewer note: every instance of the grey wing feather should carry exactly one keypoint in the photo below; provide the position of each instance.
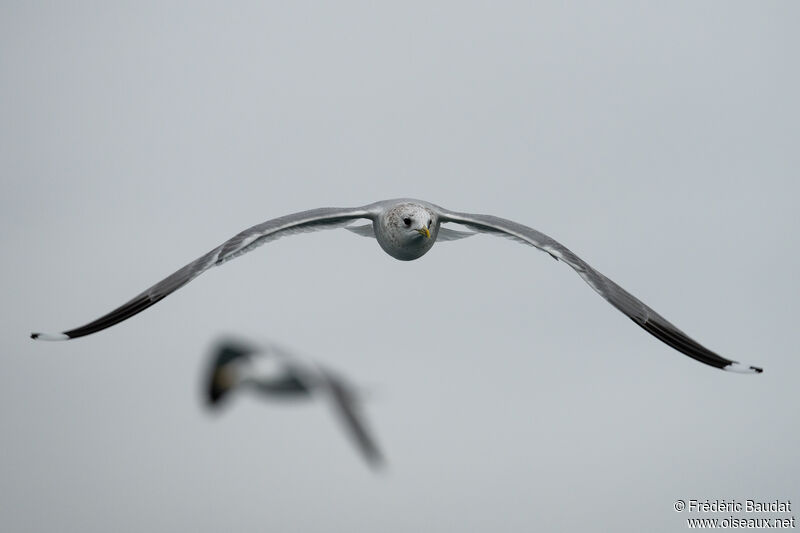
(247, 240)
(447, 234)
(346, 405)
(366, 230)
(631, 306)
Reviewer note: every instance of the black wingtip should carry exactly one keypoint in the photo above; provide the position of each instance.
(756, 369)
(50, 336)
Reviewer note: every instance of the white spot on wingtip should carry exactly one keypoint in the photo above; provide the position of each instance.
(741, 369)
(49, 336)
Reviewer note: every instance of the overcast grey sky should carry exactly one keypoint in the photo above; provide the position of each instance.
(657, 142)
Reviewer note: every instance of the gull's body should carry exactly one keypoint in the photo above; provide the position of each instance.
(407, 229)
(233, 367)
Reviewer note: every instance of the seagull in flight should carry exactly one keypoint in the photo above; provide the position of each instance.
(232, 366)
(406, 229)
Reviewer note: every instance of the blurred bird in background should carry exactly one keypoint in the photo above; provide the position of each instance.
(238, 365)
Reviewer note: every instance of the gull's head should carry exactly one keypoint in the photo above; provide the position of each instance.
(407, 230)
(413, 220)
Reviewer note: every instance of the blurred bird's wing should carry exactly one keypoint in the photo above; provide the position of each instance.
(345, 403)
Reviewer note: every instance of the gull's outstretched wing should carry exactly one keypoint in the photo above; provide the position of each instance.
(305, 221)
(636, 310)
(345, 402)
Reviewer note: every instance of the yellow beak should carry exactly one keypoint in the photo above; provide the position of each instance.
(424, 231)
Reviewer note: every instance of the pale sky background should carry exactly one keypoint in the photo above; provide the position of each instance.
(660, 143)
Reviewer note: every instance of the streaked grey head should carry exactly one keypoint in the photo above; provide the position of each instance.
(407, 231)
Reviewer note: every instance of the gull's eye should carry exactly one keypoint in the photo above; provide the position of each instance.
(429, 224)
(407, 221)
